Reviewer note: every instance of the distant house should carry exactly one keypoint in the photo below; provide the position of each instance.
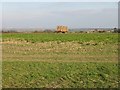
(116, 30)
(62, 29)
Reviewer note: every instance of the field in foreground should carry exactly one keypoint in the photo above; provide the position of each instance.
(57, 75)
(60, 60)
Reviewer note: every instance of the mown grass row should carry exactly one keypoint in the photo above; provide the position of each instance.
(65, 51)
(61, 75)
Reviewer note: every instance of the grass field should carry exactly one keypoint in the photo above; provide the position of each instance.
(56, 60)
(79, 37)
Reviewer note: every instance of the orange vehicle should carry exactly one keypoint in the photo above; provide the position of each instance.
(62, 29)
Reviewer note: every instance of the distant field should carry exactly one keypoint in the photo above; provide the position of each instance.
(80, 37)
(60, 60)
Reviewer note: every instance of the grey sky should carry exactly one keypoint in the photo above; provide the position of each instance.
(51, 14)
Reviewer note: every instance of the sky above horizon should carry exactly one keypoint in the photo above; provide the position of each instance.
(51, 14)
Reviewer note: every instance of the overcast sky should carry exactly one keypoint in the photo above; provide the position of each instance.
(51, 14)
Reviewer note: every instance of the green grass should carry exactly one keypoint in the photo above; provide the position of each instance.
(45, 37)
(71, 60)
(72, 75)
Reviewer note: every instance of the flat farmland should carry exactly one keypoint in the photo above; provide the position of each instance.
(56, 60)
